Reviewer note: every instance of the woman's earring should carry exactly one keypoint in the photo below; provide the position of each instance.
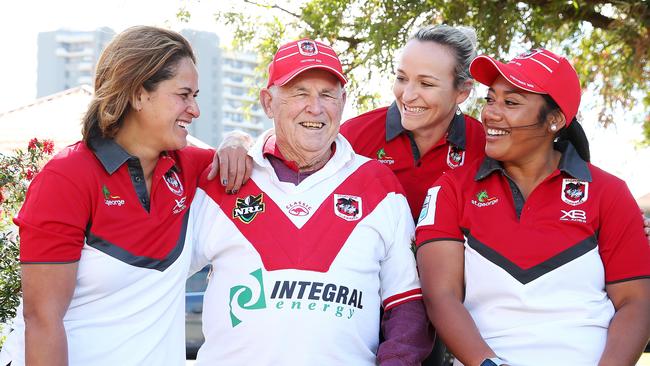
(553, 128)
(458, 111)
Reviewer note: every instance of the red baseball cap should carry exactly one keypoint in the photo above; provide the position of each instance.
(295, 57)
(537, 71)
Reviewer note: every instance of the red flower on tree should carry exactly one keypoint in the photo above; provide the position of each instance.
(48, 147)
(29, 174)
(33, 144)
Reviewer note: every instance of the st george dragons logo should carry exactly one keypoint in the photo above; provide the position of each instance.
(574, 191)
(347, 207)
(455, 156)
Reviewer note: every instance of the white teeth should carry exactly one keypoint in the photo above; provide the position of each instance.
(312, 124)
(183, 124)
(414, 109)
(497, 132)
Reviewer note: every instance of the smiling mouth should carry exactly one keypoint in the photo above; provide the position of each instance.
(312, 125)
(182, 124)
(413, 109)
(490, 131)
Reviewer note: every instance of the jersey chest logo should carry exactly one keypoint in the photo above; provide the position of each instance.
(574, 191)
(111, 199)
(248, 207)
(298, 208)
(313, 246)
(455, 156)
(348, 207)
(173, 183)
(384, 158)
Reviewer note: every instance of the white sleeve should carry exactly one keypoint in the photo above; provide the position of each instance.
(398, 273)
(199, 230)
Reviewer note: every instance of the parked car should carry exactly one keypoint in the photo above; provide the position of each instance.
(194, 290)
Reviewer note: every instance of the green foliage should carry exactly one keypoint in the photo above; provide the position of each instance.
(16, 171)
(608, 42)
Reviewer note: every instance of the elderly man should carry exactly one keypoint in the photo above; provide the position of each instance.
(319, 239)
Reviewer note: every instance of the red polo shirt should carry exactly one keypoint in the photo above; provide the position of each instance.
(99, 197)
(536, 270)
(577, 208)
(379, 134)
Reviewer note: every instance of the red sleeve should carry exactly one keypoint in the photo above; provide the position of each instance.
(441, 212)
(622, 243)
(197, 160)
(52, 221)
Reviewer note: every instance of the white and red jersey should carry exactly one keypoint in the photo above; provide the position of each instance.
(301, 271)
(92, 207)
(536, 269)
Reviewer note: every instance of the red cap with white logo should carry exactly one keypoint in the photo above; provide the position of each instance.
(295, 57)
(538, 71)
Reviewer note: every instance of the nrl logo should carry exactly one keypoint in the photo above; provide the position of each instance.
(574, 191)
(248, 207)
(173, 183)
(347, 207)
(455, 157)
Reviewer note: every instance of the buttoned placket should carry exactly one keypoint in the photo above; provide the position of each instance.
(517, 196)
(137, 178)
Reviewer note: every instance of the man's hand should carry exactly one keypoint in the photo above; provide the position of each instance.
(232, 162)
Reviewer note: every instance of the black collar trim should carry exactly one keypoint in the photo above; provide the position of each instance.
(571, 163)
(109, 153)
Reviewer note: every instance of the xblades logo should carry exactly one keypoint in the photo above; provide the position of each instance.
(574, 215)
(248, 207)
(243, 295)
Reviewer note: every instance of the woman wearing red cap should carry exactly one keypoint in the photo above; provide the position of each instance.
(555, 265)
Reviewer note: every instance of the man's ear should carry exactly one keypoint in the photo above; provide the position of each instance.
(266, 97)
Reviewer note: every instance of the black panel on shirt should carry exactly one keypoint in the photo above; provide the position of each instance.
(140, 261)
(527, 275)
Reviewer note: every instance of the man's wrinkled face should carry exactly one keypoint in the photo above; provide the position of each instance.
(306, 112)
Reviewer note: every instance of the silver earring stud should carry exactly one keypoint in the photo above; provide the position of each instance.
(553, 127)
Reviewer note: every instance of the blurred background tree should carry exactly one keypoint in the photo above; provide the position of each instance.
(607, 41)
(16, 171)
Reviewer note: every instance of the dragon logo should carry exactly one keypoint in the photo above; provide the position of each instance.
(307, 48)
(574, 191)
(347, 207)
(455, 156)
